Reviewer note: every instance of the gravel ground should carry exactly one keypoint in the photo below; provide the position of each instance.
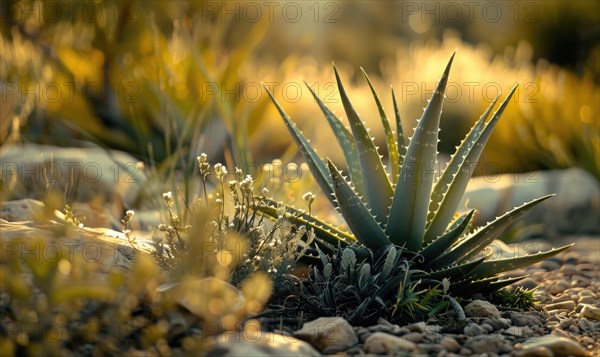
(566, 321)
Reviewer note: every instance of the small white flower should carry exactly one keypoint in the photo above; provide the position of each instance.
(220, 171)
(203, 164)
(308, 197)
(168, 198)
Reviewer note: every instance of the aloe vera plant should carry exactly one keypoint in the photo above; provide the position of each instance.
(408, 207)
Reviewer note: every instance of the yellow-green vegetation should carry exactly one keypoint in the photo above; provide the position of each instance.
(405, 230)
(59, 301)
(554, 118)
(161, 80)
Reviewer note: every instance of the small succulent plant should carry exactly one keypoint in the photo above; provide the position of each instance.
(408, 207)
(362, 291)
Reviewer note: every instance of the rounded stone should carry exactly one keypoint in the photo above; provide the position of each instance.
(484, 344)
(497, 324)
(586, 300)
(590, 312)
(384, 343)
(413, 337)
(480, 308)
(328, 332)
(569, 269)
(559, 346)
(540, 351)
(473, 330)
(450, 344)
(585, 325)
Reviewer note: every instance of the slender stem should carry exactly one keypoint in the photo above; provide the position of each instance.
(204, 189)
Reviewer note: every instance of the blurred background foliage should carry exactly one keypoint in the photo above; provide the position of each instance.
(168, 80)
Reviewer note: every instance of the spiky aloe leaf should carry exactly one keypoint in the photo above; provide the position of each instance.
(456, 270)
(443, 183)
(460, 175)
(378, 190)
(443, 243)
(346, 141)
(390, 284)
(478, 240)
(408, 214)
(401, 139)
(493, 267)
(358, 217)
(389, 135)
(358, 314)
(315, 164)
(470, 286)
(325, 231)
(499, 284)
(458, 220)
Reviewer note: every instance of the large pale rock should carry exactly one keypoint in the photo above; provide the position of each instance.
(560, 346)
(20, 210)
(331, 333)
(84, 173)
(575, 208)
(260, 344)
(105, 248)
(30, 210)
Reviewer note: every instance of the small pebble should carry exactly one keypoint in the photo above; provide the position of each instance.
(566, 323)
(586, 292)
(498, 324)
(465, 352)
(564, 297)
(569, 269)
(564, 305)
(585, 325)
(586, 299)
(473, 330)
(591, 312)
(450, 344)
(383, 343)
(418, 327)
(487, 327)
(413, 337)
(484, 344)
(549, 265)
